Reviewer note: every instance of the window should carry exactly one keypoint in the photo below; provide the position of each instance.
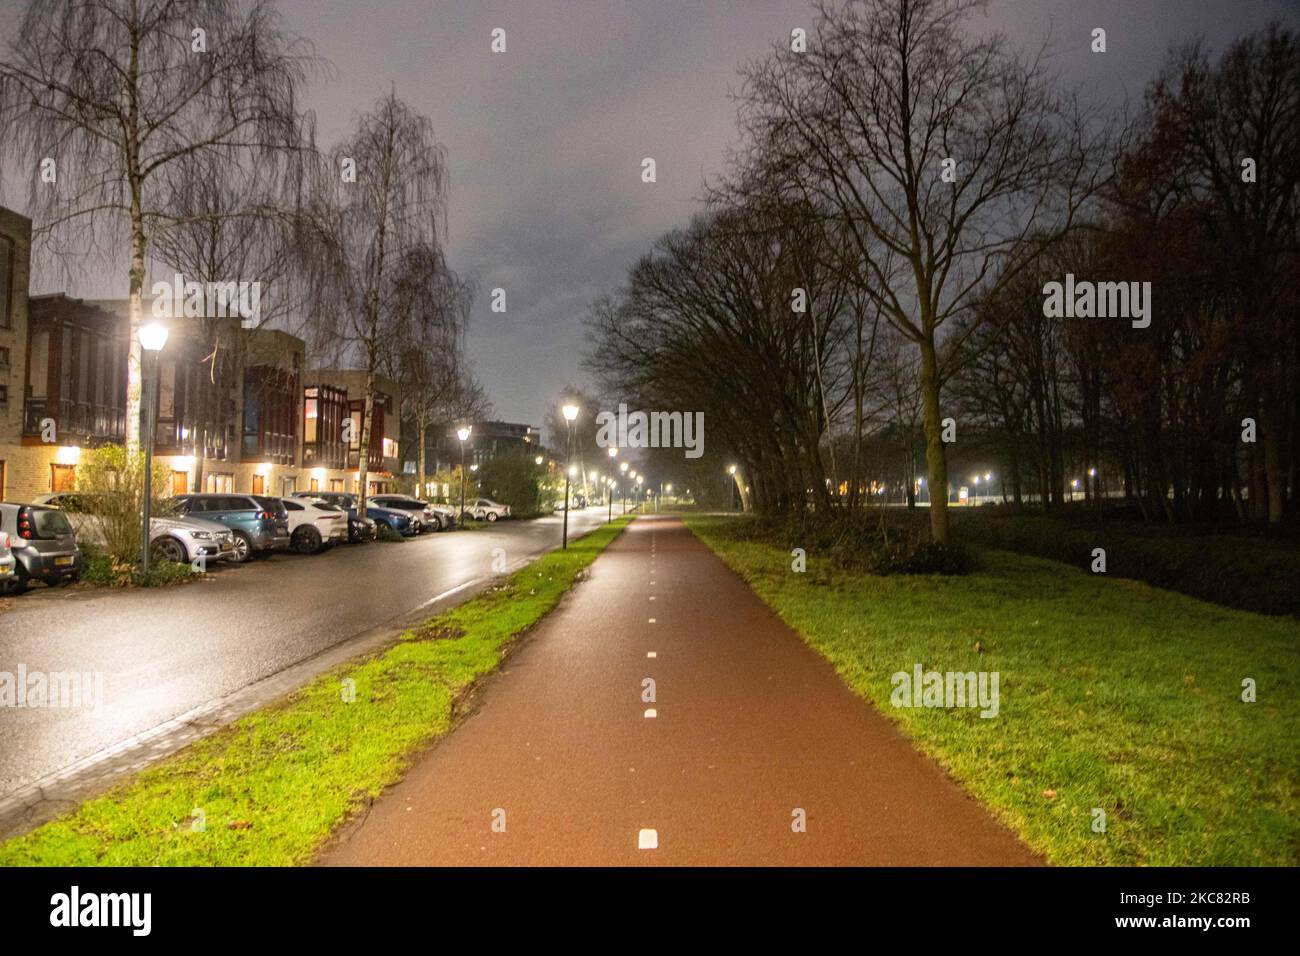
(259, 484)
(63, 478)
(180, 482)
(4, 394)
(220, 482)
(2, 480)
(336, 484)
(315, 485)
(6, 281)
(292, 506)
(288, 486)
(4, 356)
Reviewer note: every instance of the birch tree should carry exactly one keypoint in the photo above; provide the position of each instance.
(102, 100)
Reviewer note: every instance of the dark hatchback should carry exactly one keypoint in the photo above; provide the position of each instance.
(260, 524)
(43, 543)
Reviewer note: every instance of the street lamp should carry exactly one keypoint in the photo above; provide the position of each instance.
(152, 339)
(537, 460)
(463, 434)
(622, 485)
(570, 414)
(731, 470)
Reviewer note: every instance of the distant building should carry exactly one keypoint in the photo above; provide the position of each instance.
(486, 441)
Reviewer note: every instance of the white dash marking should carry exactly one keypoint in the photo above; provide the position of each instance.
(647, 840)
(652, 654)
(652, 620)
(651, 712)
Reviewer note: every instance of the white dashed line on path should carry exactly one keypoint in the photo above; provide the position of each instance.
(647, 840)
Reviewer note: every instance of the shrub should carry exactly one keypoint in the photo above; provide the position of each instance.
(385, 533)
(110, 486)
(1247, 573)
(107, 571)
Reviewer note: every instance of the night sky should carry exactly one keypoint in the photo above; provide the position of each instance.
(545, 141)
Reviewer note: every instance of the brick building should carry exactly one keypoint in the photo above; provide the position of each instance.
(237, 409)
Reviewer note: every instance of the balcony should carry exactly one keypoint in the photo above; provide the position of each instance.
(76, 421)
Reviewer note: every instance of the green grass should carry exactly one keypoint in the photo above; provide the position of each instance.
(273, 785)
(1113, 694)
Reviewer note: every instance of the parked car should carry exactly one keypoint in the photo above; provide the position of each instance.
(314, 526)
(446, 512)
(43, 545)
(485, 509)
(360, 528)
(399, 521)
(423, 513)
(259, 525)
(171, 537)
(8, 579)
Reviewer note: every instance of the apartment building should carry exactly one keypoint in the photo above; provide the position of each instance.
(236, 409)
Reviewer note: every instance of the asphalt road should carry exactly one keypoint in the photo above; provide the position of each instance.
(750, 727)
(164, 652)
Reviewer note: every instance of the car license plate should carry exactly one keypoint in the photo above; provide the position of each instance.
(63, 562)
(5, 569)
(227, 546)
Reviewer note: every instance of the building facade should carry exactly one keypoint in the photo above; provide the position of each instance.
(237, 409)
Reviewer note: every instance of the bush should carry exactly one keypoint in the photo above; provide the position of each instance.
(385, 533)
(107, 571)
(911, 556)
(875, 541)
(1251, 574)
(110, 483)
(513, 479)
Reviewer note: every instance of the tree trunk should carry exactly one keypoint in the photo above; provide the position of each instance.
(935, 454)
(421, 425)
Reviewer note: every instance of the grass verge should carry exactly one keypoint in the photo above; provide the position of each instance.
(1114, 695)
(270, 788)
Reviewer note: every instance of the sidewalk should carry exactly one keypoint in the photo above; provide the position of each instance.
(750, 724)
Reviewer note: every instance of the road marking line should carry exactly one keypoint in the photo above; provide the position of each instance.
(652, 654)
(652, 620)
(652, 597)
(647, 840)
(651, 712)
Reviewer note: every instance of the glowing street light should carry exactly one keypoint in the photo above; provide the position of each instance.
(570, 411)
(463, 434)
(152, 339)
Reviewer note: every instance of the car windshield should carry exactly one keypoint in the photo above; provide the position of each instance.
(50, 523)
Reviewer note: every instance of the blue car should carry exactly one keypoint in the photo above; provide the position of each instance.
(397, 520)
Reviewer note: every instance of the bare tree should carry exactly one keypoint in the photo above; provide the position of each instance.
(105, 100)
(947, 158)
(380, 200)
(437, 384)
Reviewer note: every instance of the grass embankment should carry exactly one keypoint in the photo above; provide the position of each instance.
(274, 784)
(1114, 695)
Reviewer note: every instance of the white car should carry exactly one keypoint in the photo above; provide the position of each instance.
(315, 525)
(485, 509)
(171, 537)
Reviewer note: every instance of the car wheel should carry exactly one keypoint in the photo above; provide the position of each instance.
(437, 524)
(306, 540)
(492, 516)
(169, 549)
(243, 552)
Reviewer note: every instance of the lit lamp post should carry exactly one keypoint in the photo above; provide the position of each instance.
(463, 435)
(152, 339)
(622, 485)
(570, 415)
(731, 470)
(609, 486)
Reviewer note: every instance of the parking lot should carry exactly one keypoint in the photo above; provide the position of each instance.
(164, 652)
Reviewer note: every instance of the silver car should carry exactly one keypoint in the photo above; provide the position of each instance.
(178, 538)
